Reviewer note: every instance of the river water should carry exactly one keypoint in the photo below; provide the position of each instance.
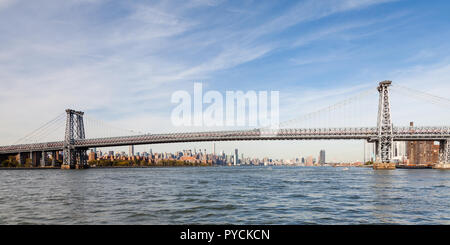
(225, 195)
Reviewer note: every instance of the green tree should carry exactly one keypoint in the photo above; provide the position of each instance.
(28, 163)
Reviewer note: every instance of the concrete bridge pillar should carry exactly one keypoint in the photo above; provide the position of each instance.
(32, 159)
(35, 158)
(21, 158)
(54, 153)
(377, 155)
(444, 155)
(43, 160)
(444, 151)
(58, 156)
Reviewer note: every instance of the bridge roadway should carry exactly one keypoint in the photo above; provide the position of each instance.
(369, 134)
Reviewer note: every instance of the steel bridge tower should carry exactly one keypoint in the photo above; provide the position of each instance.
(385, 135)
(74, 157)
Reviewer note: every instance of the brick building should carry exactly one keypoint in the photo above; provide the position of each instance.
(422, 152)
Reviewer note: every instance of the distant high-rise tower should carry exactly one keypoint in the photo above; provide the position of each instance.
(236, 157)
(131, 151)
(322, 157)
(214, 149)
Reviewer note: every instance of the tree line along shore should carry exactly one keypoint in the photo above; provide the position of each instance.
(11, 162)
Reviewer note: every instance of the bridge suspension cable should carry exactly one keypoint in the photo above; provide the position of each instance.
(96, 128)
(329, 115)
(434, 99)
(41, 133)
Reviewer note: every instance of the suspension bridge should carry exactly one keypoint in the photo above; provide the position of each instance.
(75, 144)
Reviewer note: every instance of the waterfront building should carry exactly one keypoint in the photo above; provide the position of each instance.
(422, 152)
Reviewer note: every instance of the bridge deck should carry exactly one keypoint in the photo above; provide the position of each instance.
(399, 134)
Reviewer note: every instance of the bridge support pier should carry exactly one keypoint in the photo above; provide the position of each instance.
(444, 151)
(31, 158)
(35, 158)
(444, 155)
(75, 159)
(21, 158)
(43, 158)
(54, 153)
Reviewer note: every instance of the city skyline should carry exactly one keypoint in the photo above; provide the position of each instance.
(400, 154)
(232, 158)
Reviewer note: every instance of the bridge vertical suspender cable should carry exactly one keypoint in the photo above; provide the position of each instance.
(44, 130)
(311, 118)
(437, 100)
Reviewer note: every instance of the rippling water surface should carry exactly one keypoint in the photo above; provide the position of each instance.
(225, 195)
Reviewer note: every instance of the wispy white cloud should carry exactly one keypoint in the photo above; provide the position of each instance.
(331, 31)
(312, 10)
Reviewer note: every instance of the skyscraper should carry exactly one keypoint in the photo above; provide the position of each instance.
(131, 151)
(322, 157)
(236, 157)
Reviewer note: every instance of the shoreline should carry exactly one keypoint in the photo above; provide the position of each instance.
(52, 168)
(187, 166)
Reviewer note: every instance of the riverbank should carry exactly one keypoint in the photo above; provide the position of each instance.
(28, 168)
(413, 166)
(104, 167)
(190, 166)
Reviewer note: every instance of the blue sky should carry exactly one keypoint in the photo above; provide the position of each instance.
(121, 60)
